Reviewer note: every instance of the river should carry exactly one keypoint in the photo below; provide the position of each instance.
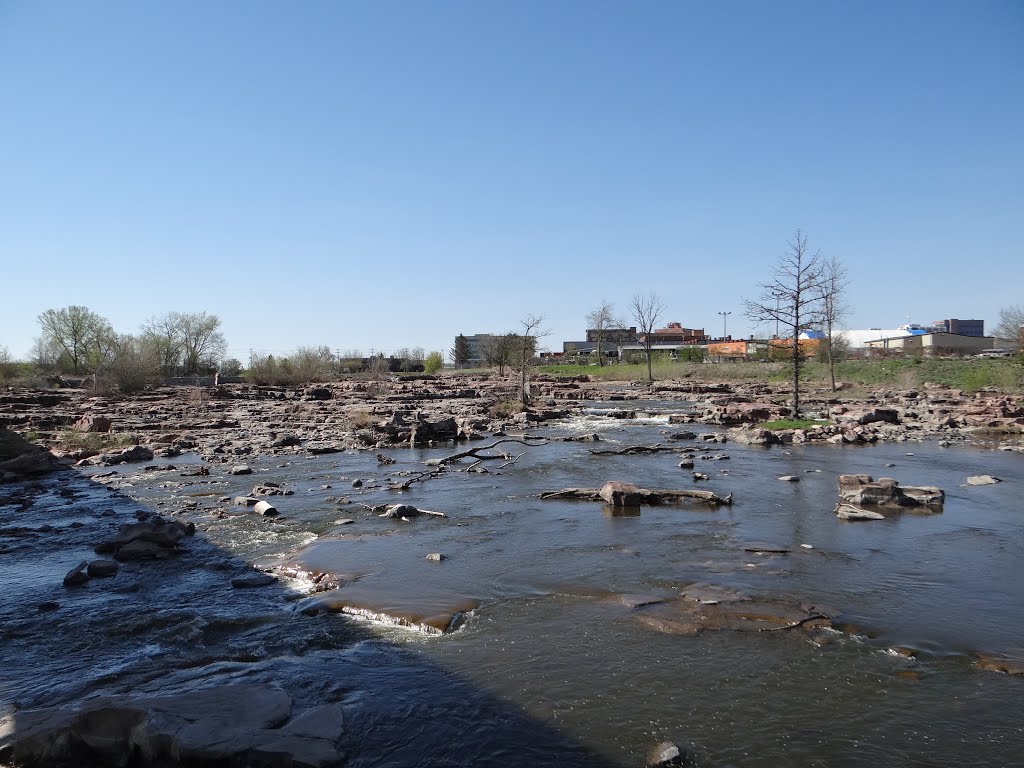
(549, 597)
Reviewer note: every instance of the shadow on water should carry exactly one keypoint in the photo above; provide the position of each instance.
(167, 630)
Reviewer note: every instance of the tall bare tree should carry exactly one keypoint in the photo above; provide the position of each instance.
(600, 320)
(525, 351)
(832, 295)
(1011, 319)
(647, 309)
(79, 333)
(162, 336)
(499, 350)
(791, 298)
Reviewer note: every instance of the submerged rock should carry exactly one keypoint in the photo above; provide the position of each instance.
(853, 512)
(667, 755)
(253, 579)
(708, 607)
(983, 480)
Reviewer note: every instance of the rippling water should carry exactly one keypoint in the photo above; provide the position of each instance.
(547, 590)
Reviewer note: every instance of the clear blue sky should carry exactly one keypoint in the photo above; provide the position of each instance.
(388, 174)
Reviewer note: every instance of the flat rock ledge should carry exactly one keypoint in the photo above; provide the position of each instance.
(227, 725)
(618, 494)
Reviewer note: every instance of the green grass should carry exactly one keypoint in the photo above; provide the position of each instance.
(969, 374)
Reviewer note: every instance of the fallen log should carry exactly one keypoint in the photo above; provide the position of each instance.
(634, 450)
(629, 495)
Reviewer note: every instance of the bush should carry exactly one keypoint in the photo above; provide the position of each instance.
(434, 362)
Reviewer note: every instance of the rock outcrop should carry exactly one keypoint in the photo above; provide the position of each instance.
(226, 725)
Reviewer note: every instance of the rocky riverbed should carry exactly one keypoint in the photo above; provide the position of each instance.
(181, 581)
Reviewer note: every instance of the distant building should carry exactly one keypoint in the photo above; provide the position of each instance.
(857, 341)
(735, 350)
(674, 333)
(933, 344)
(612, 335)
(477, 342)
(583, 347)
(960, 327)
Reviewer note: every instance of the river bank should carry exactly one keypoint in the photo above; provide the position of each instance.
(549, 631)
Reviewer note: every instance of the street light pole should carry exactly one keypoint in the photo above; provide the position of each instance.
(725, 318)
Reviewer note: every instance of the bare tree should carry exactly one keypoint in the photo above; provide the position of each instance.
(45, 353)
(162, 336)
(1011, 319)
(600, 320)
(132, 364)
(832, 295)
(525, 349)
(80, 334)
(499, 350)
(646, 309)
(791, 298)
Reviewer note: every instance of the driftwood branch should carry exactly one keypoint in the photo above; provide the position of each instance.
(419, 477)
(476, 452)
(795, 624)
(510, 462)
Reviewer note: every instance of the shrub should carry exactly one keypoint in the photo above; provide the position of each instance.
(434, 362)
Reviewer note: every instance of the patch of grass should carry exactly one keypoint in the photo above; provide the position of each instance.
(72, 440)
(504, 409)
(361, 419)
(969, 374)
(790, 424)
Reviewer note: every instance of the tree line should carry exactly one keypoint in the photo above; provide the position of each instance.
(76, 341)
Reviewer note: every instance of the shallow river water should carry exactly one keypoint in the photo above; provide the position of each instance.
(549, 594)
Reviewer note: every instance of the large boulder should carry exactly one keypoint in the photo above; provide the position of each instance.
(875, 415)
(621, 494)
(862, 490)
(19, 457)
(224, 725)
(124, 456)
(150, 539)
(92, 423)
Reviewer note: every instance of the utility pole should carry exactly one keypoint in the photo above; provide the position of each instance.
(778, 295)
(725, 319)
